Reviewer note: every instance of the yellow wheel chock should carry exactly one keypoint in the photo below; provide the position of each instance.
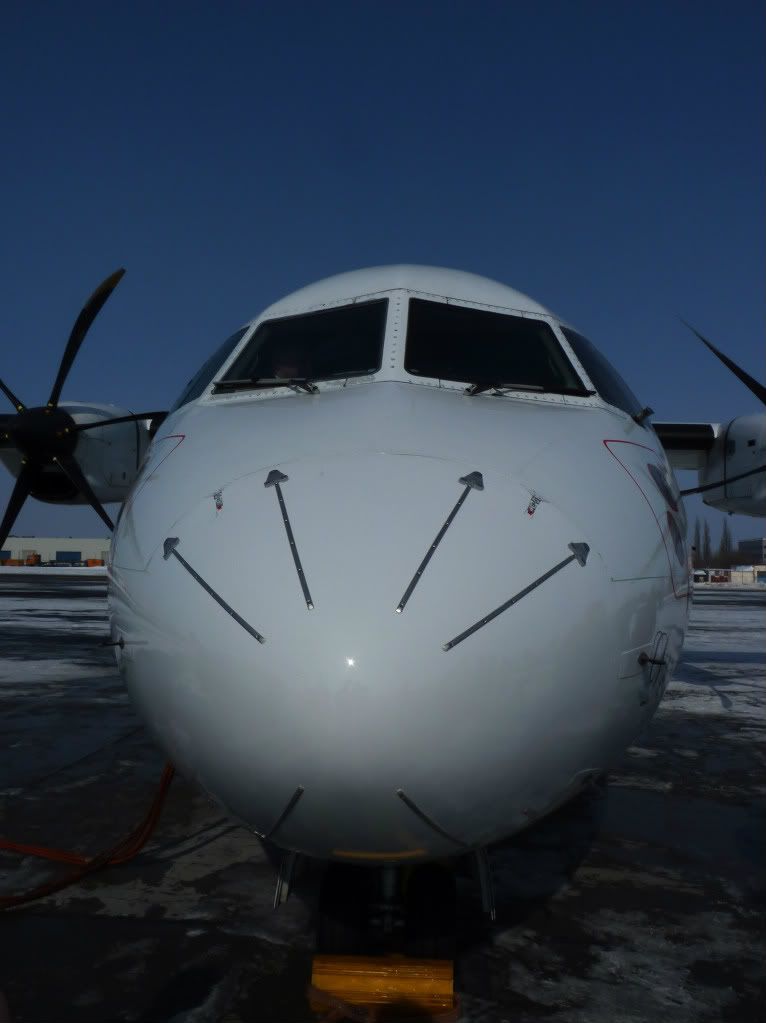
(378, 988)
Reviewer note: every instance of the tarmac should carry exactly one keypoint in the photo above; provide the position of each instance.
(642, 901)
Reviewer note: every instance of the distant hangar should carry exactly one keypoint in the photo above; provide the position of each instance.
(56, 550)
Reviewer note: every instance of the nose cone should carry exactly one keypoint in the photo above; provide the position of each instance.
(361, 575)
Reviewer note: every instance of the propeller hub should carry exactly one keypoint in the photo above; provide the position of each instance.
(47, 436)
(42, 434)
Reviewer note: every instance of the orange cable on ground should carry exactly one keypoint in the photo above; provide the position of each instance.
(125, 850)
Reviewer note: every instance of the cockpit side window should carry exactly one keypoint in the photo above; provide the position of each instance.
(329, 344)
(607, 381)
(453, 342)
(205, 374)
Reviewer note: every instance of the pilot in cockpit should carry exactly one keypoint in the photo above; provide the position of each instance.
(291, 361)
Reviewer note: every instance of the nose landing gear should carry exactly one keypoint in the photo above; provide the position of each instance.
(385, 943)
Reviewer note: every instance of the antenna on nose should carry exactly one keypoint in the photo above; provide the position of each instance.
(169, 546)
(274, 479)
(472, 481)
(579, 554)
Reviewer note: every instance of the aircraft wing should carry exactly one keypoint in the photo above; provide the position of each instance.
(688, 445)
(729, 457)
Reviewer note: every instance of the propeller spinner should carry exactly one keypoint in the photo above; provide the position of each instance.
(46, 436)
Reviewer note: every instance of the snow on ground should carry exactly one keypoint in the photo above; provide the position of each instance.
(722, 668)
(51, 631)
(641, 900)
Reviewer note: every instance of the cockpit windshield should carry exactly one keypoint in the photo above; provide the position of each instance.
(605, 377)
(484, 348)
(330, 344)
(209, 368)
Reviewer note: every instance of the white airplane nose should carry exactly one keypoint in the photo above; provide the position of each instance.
(384, 674)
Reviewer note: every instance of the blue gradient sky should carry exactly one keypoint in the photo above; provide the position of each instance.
(606, 158)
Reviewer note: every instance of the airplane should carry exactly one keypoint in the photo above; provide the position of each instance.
(402, 570)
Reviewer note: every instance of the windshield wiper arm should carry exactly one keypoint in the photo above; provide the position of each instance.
(488, 385)
(479, 386)
(297, 384)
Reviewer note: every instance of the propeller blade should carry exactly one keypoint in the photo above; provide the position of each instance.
(74, 472)
(18, 405)
(121, 419)
(82, 325)
(17, 499)
(723, 483)
(750, 382)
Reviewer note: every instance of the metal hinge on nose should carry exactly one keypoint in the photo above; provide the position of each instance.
(473, 481)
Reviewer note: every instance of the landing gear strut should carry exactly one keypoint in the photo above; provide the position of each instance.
(386, 937)
(387, 910)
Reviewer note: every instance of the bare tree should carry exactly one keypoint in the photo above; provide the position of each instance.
(707, 546)
(725, 547)
(697, 544)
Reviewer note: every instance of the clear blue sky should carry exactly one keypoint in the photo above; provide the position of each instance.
(606, 158)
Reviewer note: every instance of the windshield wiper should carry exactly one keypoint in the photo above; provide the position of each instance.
(489, 385)
(297, 384)
(479, 386)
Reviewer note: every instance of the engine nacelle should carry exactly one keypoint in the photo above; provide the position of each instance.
(739, 448)
(109, 457)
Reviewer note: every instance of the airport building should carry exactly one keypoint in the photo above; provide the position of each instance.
(59, 550)
(739, 575)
